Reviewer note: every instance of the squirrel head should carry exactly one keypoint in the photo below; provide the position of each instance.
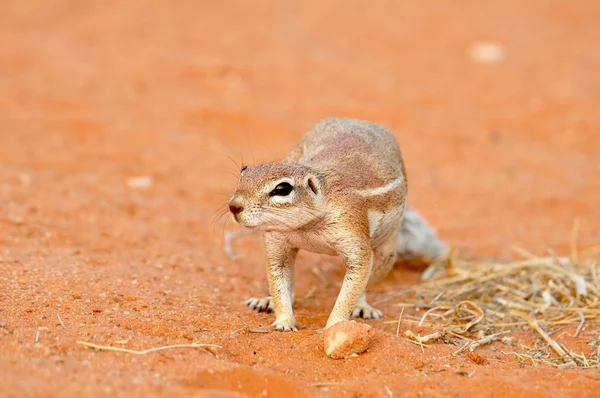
(277, 197)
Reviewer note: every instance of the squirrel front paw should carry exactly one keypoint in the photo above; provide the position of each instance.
(260, 304)
(285, 325)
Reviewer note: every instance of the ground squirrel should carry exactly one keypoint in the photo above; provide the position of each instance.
(340, 191)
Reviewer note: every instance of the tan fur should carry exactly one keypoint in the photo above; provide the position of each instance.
(356, 212)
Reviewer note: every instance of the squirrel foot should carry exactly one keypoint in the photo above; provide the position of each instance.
(285, 325)
(260, 304)
(363, 310)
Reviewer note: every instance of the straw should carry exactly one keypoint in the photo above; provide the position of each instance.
(473, 303)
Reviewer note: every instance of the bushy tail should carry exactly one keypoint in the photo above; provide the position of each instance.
(418, 244)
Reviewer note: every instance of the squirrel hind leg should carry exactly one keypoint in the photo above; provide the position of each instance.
(263, 304)
(418, 245)
(364, 310)
(260, 304)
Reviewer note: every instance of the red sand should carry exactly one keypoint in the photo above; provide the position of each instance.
(91, 95)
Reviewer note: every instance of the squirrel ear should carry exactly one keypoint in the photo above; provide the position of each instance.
(312, 184)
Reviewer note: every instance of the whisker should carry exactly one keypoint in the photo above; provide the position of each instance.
(237, 176)
(220, 208)
(272, 154)
(237, 166)
(218, 220)
(250, 149)
(224, 225)
(313, 212)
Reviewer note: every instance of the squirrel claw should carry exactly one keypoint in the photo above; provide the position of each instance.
(284, 326)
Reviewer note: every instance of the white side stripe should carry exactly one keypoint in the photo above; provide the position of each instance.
(382, 190)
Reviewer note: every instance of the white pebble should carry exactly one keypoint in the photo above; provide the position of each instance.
(487, 52)
(142, 182)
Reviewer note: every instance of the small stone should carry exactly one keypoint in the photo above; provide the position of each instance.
(25, 179)
(476, 358)
(142, 182)
(487, 52)
(346, 339)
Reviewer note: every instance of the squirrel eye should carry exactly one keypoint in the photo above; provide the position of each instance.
(283, 189)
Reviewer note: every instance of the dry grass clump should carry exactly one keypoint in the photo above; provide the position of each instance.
(475, 303)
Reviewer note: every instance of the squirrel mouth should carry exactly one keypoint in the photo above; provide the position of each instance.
(237, 220)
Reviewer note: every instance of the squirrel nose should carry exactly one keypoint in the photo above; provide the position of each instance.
(235, 206)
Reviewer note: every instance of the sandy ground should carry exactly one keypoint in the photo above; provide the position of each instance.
(93, 93)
